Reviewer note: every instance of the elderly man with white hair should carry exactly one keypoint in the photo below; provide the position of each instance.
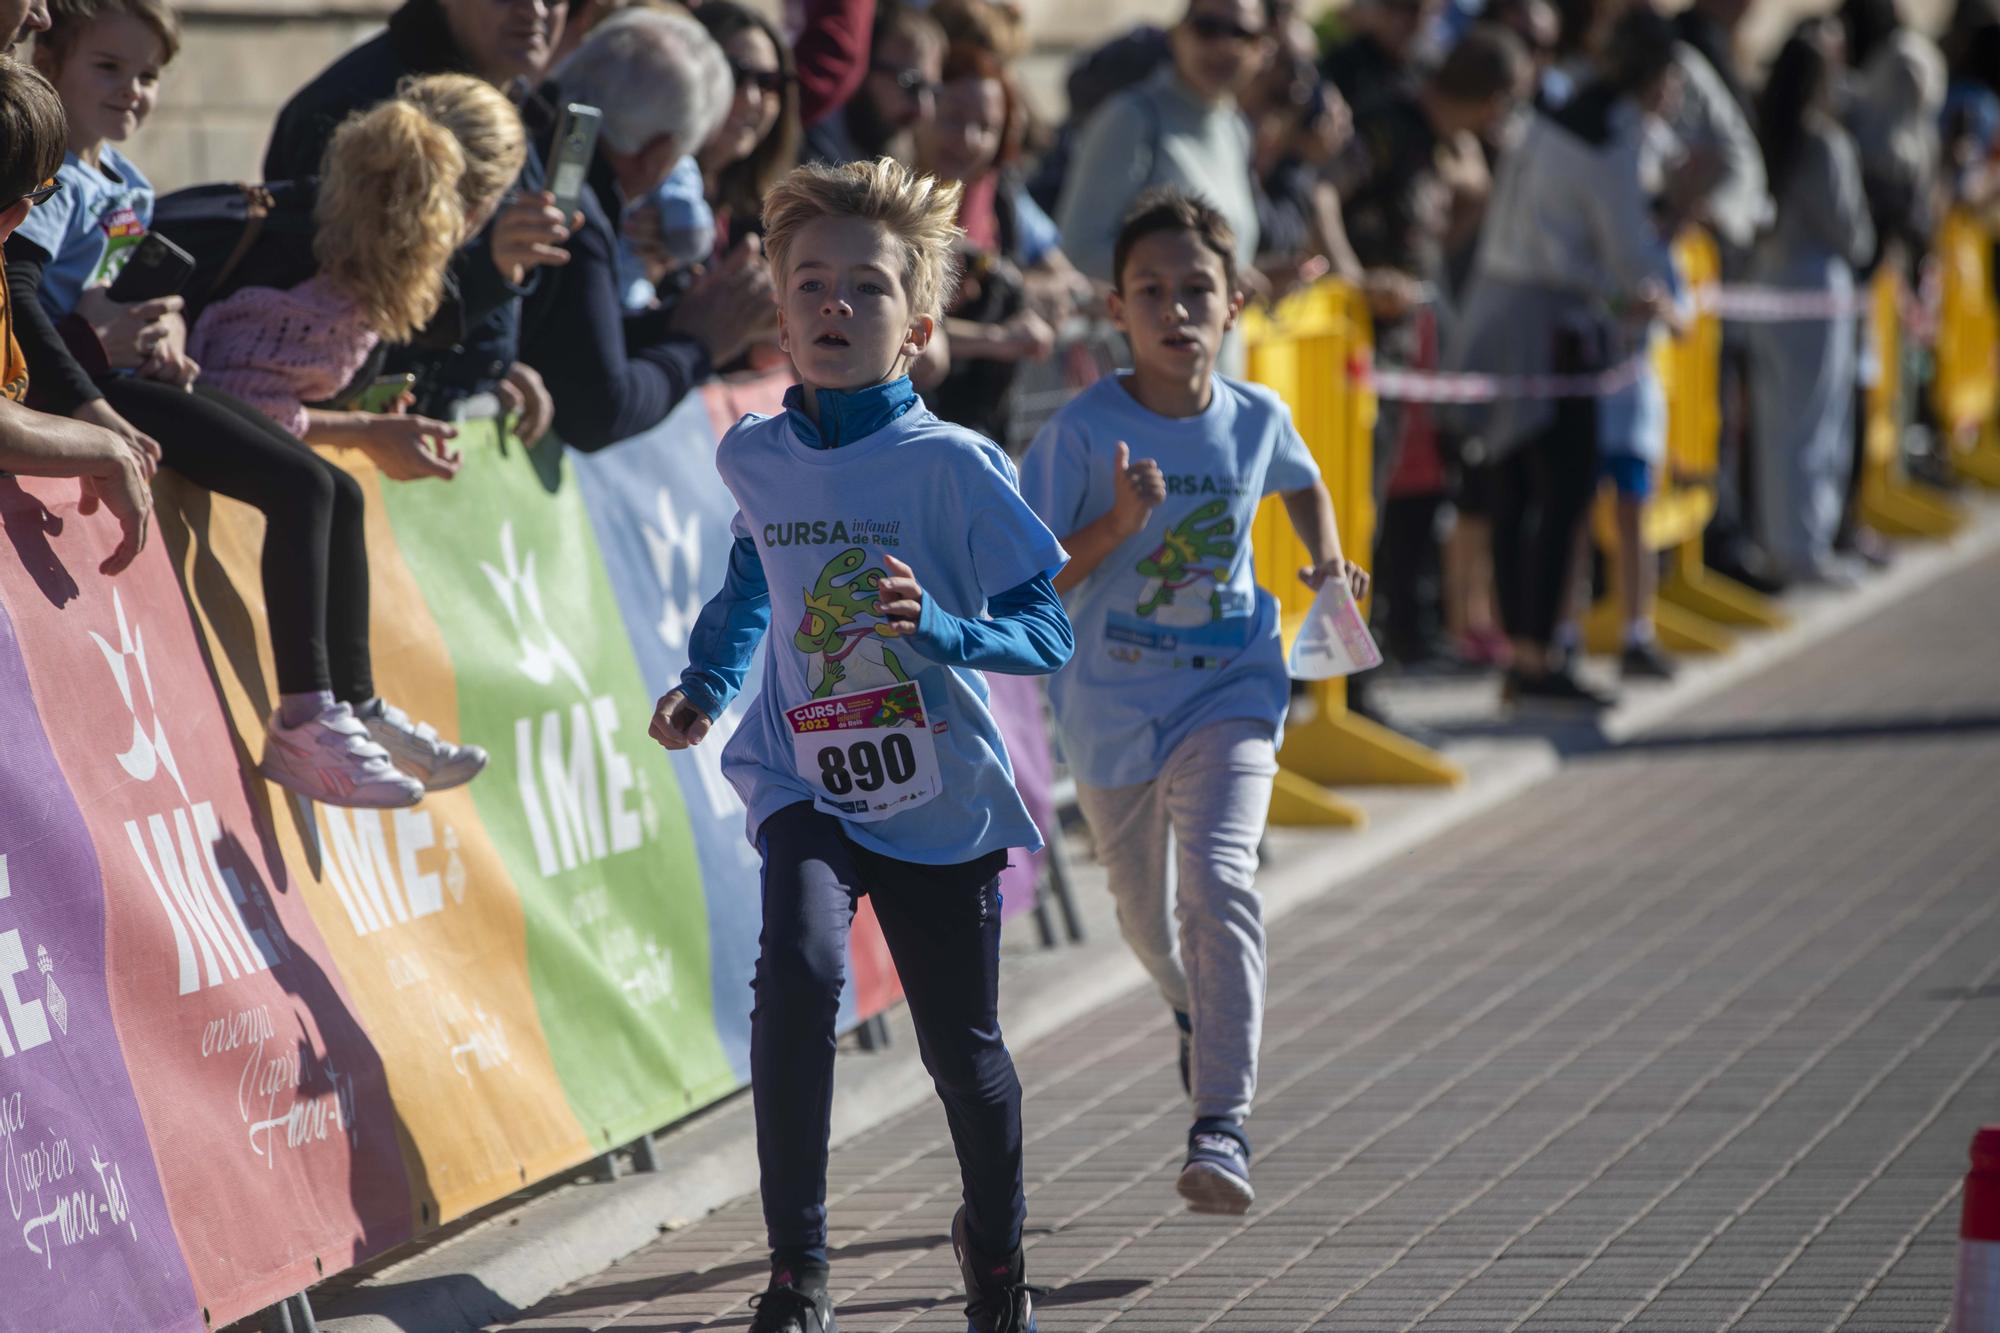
(662, 84)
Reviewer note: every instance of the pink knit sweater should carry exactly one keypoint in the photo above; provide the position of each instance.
(279, 350)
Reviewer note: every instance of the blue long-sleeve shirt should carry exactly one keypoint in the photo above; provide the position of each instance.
(1025, 631)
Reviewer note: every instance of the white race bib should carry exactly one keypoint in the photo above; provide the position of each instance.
(866, 755)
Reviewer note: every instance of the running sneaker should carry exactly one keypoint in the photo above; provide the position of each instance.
(997, 1298)
(1216, 1178)
(418, 749)
(331, 759)
(1186, 1032)
(786, 1308)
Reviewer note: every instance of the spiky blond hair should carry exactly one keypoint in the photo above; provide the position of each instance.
(921, 212)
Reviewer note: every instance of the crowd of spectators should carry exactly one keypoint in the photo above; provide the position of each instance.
(1503, 182)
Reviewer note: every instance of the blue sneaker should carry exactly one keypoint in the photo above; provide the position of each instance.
(1216, 1178)
(997, 1299)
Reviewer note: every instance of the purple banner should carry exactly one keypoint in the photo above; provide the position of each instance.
(85, 1242)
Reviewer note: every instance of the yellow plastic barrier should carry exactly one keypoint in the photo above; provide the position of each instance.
(1891, 502)
(1968, 348)
(1694, 603)
(1314, 350)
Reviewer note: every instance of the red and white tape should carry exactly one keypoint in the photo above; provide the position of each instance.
(1746, 304)
(1451, 386)
(1737, 304)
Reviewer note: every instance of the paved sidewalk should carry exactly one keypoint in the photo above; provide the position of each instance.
(1693, 1035)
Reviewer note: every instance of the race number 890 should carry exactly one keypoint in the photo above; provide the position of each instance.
(863, 765)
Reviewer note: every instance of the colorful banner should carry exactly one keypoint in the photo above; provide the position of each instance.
(87, 1243)
(247, 1041)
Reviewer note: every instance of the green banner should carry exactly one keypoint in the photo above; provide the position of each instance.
(585, 812)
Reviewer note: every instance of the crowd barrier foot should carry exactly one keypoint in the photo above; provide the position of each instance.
(1693, 587)
(1981, 463)
(1675, 628)
(294, 1314)
(1904, 508)
(1336, 748)
(1298, 802)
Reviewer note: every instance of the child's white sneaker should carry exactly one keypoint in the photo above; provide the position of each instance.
(331, 759)
(416, 748)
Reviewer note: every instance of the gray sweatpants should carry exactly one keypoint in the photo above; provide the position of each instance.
(1181, 851)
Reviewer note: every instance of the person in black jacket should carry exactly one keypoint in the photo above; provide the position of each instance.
(471, 347)
(663, 86)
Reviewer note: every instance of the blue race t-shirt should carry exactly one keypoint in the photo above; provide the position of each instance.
(943, 501)
(89, 227)
(1172, 631)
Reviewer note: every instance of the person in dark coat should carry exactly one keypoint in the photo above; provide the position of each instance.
(470, 348)
(663, 85)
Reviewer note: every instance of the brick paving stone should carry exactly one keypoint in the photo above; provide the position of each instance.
(1692, 1035)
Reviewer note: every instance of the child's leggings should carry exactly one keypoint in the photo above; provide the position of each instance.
(315, 546)
(1181, 853)
(942, 925)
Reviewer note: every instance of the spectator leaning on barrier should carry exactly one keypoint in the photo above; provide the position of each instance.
(905, 62)
(896, 559)
(1180, 128)
(993, 321)
(1413, 187)
(1571, 234)
(113, 470)
(663, 85)
(1802, 392)
(758, 139)
(470, 347)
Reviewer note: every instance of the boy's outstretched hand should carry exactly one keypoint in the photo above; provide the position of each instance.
(1141, 488)
(899, 599)
(677, 724)
(1338, 567)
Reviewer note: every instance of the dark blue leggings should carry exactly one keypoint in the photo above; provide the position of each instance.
(942, 925)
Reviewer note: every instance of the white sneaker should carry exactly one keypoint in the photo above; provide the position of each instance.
(417, 748)
(331, 759)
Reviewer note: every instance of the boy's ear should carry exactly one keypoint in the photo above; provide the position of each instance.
(1114, 305)
(13, 216)
(1236, 300)
(922, 329)
(784, 337)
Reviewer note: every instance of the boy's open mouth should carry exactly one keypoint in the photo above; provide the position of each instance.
(1180, 341)
(831, 340)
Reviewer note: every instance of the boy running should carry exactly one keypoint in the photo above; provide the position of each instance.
(1170, 715)
(897, 560)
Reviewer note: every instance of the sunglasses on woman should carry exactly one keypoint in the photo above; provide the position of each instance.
(1213, 28)
(769, 81)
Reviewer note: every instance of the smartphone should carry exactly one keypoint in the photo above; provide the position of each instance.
(569, 158)
(382, 393)
(157, 268)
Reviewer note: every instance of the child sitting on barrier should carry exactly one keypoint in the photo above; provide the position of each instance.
(331, 738)
(1170, 715)
(898, 560)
